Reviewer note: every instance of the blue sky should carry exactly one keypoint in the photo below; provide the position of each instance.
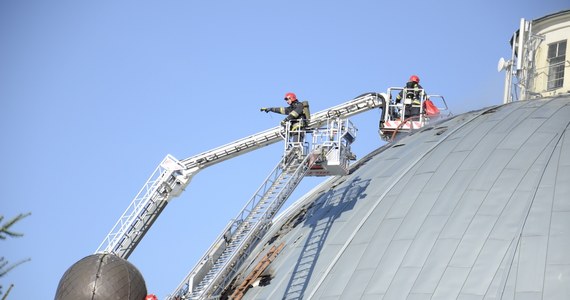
(94, 94)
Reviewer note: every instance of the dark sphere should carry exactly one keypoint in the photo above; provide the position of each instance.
(101, 277)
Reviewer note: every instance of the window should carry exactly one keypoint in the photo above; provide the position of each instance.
(556, 61)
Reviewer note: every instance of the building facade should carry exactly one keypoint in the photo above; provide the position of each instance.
(540, 60)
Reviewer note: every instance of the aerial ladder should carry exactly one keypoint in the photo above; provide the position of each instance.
(172, 176)
(327, 154)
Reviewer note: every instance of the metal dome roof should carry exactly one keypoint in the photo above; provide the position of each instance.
(476, 207)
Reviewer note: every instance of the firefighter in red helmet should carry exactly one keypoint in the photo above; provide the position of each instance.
(297, 112)
(150, 297)
(414, 91)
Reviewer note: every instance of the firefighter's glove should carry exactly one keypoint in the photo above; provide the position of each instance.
(283, 123)
(265, 109)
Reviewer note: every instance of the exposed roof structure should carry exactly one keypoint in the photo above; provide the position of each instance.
(476, 207)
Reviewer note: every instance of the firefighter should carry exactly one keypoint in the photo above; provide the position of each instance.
(297, 113)
(413, 92)
(151, 297)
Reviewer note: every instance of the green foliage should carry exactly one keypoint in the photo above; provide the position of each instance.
(6, 232)
(5, 229)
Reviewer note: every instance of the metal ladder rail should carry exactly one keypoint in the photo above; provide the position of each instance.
(295, 172)
(352, 107)
(230, 230)
(143, 209)
(138, 228)
(185, 286)
(249, 231)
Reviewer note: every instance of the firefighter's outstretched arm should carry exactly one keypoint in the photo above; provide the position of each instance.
(278, 110)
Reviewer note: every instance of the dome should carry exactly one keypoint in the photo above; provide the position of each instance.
(475, 207)
(101, 277)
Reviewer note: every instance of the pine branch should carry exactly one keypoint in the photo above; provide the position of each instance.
(5, 229)
(4, 271)
(8, 292)
(4, 233)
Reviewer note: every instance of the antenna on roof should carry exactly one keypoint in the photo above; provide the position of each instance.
(506, 66)
(503, 64)
(521, 42)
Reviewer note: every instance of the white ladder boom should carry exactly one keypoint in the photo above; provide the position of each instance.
(352, 107)
(165, 184)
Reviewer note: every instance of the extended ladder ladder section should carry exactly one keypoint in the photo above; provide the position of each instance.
(171, 177)
(350, 108)
(167, 181)
(217, 267)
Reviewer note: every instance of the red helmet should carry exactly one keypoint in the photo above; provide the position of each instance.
(291, 96)
(150, 297)
(415, 78)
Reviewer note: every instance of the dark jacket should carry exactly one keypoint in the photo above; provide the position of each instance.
(412, 91)
(294, 113)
